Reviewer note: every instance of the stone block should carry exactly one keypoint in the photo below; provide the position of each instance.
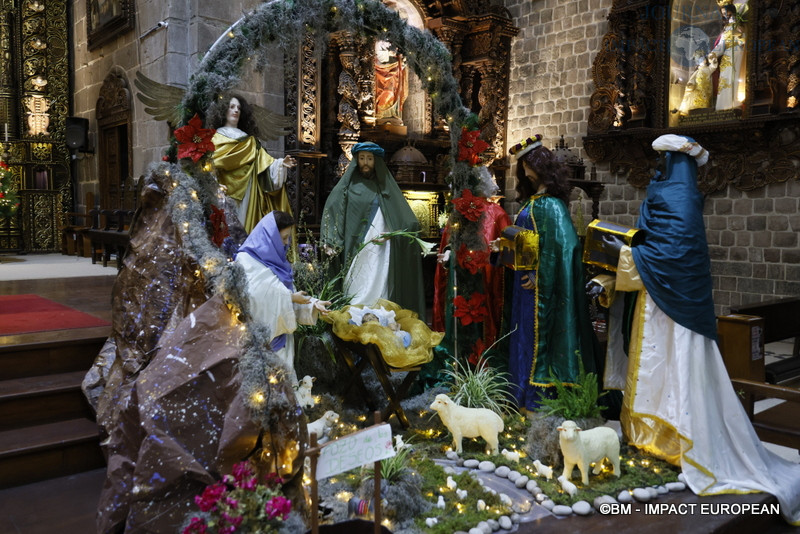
(739, 254)
(756, 223)
(736, 223)
(763, 205)
(787, 287)
(736, 268)
(786, 205)
(714, 252)
(743, 206)
(790, 256)
(743, 239)
(726, 283)
(776, 271)
(755, 285)
(784, 239)
(756, 255)
(723, 206)
(727, 238)
(756, 193)
(778, 223)
(790, 273)
(772, 255)
(761, 239)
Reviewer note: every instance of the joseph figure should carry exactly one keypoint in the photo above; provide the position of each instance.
(365, 205)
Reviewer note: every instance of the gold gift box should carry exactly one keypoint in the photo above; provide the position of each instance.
(593, 251)
(519, 248)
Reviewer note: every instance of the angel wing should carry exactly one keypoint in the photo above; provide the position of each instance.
(163, 101)
(271, 125)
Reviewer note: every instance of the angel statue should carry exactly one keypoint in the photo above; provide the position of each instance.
(252, 177)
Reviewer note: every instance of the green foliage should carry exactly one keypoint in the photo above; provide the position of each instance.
(9, 200)
(482, 386)
(392, 469)
(579, 401)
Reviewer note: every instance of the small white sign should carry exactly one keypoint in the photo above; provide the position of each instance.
(362, 447)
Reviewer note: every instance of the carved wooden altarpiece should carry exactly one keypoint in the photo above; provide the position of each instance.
(635, 100)
(334, 98)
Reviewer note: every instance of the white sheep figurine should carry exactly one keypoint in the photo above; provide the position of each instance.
(511, 456)
(303, 392)
(399, 444)
(582, 447)
(568, 487)
(545, 470)
(322, 426)
(463, 422)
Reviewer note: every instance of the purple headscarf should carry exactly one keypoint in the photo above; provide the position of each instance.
(265, 245)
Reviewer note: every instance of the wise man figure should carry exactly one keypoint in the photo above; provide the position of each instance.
(365, 205)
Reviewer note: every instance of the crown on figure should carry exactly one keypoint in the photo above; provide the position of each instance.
(523, 147)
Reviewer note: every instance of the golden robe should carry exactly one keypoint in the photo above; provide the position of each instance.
(238, 163)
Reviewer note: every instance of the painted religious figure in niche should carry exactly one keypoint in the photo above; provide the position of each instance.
(391, 84)
(707, 60)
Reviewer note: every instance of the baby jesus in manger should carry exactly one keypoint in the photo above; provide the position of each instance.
(386, 318)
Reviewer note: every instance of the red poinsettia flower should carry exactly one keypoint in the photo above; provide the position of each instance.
(472, 310)
(477, 352)
(4, 164)
(470, 146)
(472, 260)
(194, 140)
(219, 226)
(469, 205)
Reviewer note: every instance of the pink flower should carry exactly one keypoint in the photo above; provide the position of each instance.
(243, 476)
(197, 526)
(278, 507)
(194, 140)
(273, 480)
(207, 501)
(233, 520)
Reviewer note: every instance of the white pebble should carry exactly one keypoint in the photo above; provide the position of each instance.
(452, 455)
(652, 491)
(603, 499)
(541, 497)
(505, 499)
(513, 476)
(532, 487)
(475, 530)
(662, 490)
(494, 524)
(515, 519)
(484, 527)
(502, 471)
(505, 522)
(521, 482)
(486, 466)
(676, 486)
(582, 508)
(624, 496)
(682, 478)
(472, 463)
(561, 509)
(641, 494)
(548, 504)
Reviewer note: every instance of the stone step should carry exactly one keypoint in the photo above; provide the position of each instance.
(42, 399)
(40, 452)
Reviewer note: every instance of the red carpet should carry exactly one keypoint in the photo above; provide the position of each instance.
(20, 314)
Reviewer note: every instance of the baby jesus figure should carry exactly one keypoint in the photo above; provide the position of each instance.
(362, 316)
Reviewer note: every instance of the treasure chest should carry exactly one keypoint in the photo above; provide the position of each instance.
(519, 248)
(593, 251)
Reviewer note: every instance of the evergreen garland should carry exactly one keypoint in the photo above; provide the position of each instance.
(284, 23)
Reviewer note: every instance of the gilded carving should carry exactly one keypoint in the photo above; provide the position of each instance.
(309, 115)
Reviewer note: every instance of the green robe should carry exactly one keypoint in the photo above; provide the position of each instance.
(346, 218)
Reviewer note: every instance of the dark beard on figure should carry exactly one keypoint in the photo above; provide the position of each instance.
(370, 175)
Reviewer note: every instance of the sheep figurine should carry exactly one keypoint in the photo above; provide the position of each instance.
(451, 484)
(568, 487)
(322, 426)
(545, 470)
(463, 422)
(511, 456)
(303, 392)
(399, 444)
(582, 447)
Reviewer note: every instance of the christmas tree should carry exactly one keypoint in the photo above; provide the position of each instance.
(9, 200)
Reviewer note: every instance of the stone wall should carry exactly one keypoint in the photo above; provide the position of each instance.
(753, 236)
(168, 55)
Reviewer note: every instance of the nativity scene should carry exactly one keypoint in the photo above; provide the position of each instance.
(384, 314)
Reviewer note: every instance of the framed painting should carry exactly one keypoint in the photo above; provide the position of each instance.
(107, 19)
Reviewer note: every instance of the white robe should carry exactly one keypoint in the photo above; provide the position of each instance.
(271, 305)
(677, 379)
(367, 279)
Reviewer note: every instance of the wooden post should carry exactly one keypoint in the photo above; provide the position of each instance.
(377, 490)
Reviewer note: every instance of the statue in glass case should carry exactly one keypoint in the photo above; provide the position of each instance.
(730, 49)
